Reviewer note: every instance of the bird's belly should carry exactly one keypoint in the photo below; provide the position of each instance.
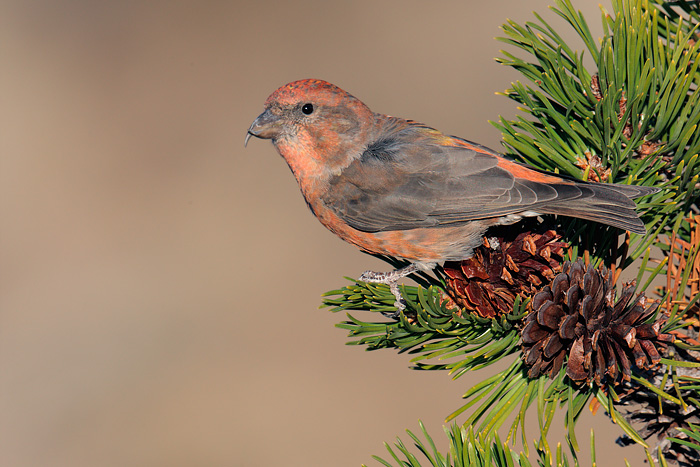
(422, 245)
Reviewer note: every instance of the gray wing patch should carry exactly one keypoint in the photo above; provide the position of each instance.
(396, 187)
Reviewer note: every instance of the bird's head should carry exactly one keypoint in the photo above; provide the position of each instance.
(312, 121)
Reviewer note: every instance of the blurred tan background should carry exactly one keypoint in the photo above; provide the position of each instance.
(160, 284)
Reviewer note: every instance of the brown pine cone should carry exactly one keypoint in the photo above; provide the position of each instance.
(576, 315)
(505, 266)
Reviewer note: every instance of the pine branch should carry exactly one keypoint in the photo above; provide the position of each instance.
(636, 115)
(428, 327)
(547, 298)
(470, 449)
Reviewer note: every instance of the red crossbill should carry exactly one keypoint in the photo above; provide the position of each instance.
(396, 187)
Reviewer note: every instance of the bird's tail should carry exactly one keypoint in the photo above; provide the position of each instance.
(609, 204)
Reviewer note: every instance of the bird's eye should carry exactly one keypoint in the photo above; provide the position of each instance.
(307, 109)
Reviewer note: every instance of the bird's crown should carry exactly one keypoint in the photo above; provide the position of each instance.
(318, 90)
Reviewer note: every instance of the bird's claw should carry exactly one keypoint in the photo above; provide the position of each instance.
(391, 279)
(372, 276)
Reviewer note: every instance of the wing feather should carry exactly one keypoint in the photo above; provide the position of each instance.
(414, 177)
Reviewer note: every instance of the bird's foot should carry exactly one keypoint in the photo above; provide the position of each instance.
(391, 279)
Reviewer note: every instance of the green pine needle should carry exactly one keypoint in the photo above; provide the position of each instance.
(631, 118)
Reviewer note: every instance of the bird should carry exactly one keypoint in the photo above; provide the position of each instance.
(399, 188)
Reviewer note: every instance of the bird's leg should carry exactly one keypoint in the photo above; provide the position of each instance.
(391, 279)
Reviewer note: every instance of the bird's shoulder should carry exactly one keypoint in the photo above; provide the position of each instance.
(412, 146)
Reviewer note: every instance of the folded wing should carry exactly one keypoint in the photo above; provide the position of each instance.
(414, 176)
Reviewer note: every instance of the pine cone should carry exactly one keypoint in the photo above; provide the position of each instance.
(505, 266)
(577, 315)
(656, 419)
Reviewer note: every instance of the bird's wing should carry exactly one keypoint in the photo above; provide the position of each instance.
(415, 176)
(418, 177)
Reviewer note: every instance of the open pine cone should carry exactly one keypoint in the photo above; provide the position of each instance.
(505, 266)
(657, 419)
(577, 315)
